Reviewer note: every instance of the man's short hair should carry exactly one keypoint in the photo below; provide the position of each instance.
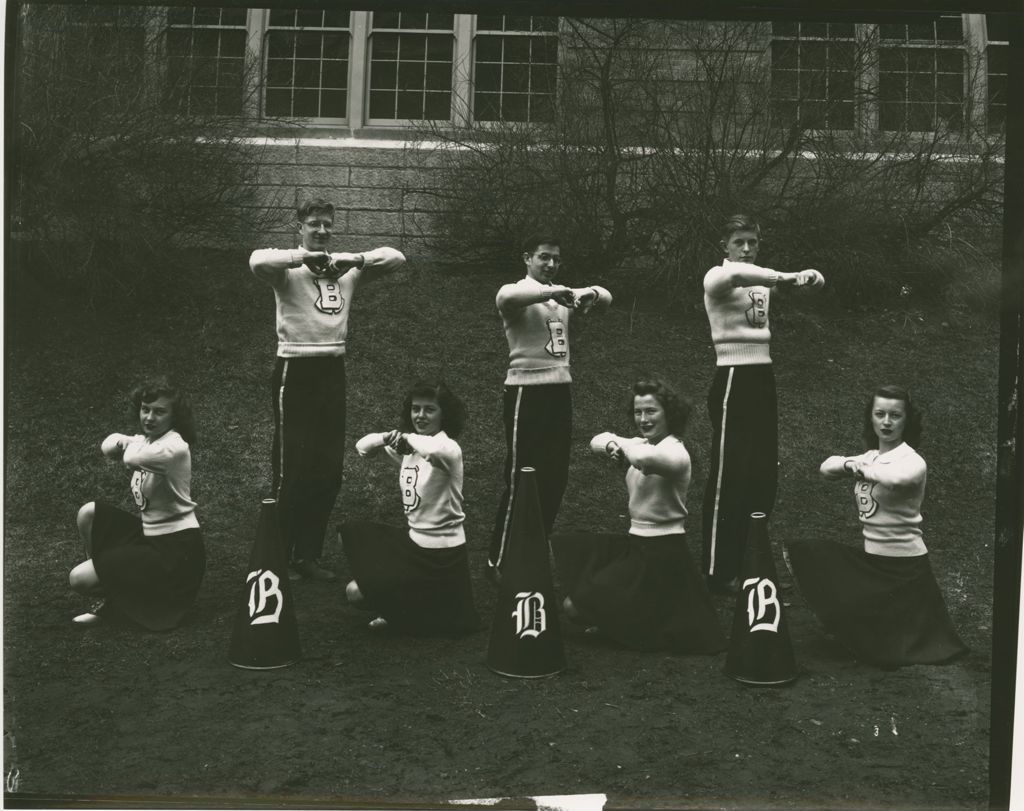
(740, 222)
(315, 206)
(532, 242)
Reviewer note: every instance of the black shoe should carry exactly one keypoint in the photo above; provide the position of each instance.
(312, 570)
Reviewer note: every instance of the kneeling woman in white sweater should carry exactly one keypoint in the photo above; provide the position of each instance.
(417, 578)
(642, 589)
(882, 601)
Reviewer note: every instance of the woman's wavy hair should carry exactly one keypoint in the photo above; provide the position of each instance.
(453, 410)
(677, 409)
(182, 419)
(913, 425)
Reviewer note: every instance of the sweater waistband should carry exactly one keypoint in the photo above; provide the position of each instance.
(537, 377)
(648, 529)
(731, 353)
(289, 349)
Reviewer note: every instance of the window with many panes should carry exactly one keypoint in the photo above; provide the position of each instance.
(206, 58)
(411, 57)
(921, 75)
(515, 67)
(812, 81)
(997, 53)
(306, 72)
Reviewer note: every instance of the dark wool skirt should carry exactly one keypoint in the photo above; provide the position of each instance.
(643, 593)
(887, 610)
(424, 592)
(152, 579)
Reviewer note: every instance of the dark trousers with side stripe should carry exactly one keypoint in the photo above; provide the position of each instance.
(744, 470)
(309, 448)
(538, 434)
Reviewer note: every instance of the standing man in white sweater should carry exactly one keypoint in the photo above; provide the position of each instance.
(537, 401)
(313, 289)
(742, 405)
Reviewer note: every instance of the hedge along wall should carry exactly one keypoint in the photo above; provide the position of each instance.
(377, 188)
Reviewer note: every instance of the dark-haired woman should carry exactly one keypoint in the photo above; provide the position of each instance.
(642, 589)
(417, 578)
(146, 566)
(882, 601)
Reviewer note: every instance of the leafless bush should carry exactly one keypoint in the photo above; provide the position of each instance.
(661, 130)
(119, 157)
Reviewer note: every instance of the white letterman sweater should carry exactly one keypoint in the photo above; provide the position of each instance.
(888, 499)
(658, 479)
(738, 316)
(161, 479)
(430, 480)
(538, 340)
(312, 311)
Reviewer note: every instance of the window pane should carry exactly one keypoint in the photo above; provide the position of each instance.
(333, 104)
(440, 48)
(383, 75)
(784, 29)
(842, 116)
(410, 76)
(382, 104)
(516, 79)
(306, 103)
(542, 108)
(921, 31)
(785, 84)
(543, 78)
(486, 106)
(785, 55)
(892, 59)
(307, 73)
(517, 49)
(439, 77)
(439, 106)
(813, 29)
(892, 88)
(488, 77)
(920, 118)
(813, 55)
(385, 46)
(921, 88)
(413, 20)
(410, 105)
(337, 18)
(890, 116)
(488, 49)
(950, 61)
(949, 29)
(385, 19)
(335, 74)
(440, 22)
(950, 88)
(309, 17)
(514, 108)
(412, 46)
(920, 60)
(892, 31)
(488, 22)
(517, 23)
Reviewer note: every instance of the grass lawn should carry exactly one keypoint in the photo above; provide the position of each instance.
(352, 719)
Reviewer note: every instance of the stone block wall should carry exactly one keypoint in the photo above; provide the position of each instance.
(377, 187)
